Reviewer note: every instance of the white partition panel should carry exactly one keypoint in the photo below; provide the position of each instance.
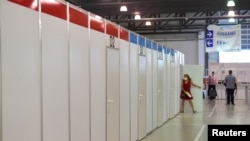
(155, 88)
(1, 131)
(98, 85)
(168, 64)
(149, 91)
(124, 92)
(160, 91)
(176, 84)
(134, 90)
(172, 90)
(79, 79)
(179, 79)
(55, 78)
(165, 88)
(21, 83)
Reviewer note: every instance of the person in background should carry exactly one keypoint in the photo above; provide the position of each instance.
(212, 84)
(212, 81)
(186, 87)
(230, 83)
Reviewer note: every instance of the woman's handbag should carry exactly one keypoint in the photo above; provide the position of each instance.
(182, 94)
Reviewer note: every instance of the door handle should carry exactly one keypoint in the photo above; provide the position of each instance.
(110, 101)
(140, 97)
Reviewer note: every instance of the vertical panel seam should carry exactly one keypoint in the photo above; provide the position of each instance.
(89, 51)
(41, 65)
(68, 70)
(1, 91)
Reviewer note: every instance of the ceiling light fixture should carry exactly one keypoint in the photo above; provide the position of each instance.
(231, 20)
(123, 8)
(137, 17)
(98, 17)
(230, 3)
(148, 23)
(231, 13)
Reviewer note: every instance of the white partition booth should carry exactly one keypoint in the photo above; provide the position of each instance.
(124, 85)
(69, 75)
(20, 73)
(149, 86)
(173, 84)
(165, 89)
(79, 75)
(155, 83)
(160, 79)
(134, 50)
(142, 91)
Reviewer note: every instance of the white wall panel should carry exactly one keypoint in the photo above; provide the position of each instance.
(1, 11)
(134, 90)
(160, 91)
(201, 48)
(149, 91)
(165, 106)
(98, 85)
(172, 90)
(124, 92)
(178, 82)
(55, 78)
(79, 83)
(20, 60)
(189, 48)
(188, 43)
(176, 85)
(168, 84)
(155, 88)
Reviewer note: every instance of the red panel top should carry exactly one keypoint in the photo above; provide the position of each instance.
(124, 34)
(32, 4)
(97, 24)
(78, 17)
(54, 8)
(112, 29)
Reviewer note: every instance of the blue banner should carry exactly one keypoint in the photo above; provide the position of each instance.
(133, 38)
(148, 44)
(155, 46)
(141, 41)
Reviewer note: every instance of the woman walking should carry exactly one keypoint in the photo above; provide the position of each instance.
(186, 85)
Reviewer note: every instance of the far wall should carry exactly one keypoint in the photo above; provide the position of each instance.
(188, 44)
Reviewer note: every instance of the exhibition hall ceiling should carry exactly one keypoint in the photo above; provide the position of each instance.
(167, 16)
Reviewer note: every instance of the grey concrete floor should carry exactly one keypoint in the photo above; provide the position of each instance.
(193, 127)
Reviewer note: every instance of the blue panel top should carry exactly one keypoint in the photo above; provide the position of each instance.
(168, 50)
(164, 50)
(148, 44)
(154, 45)
(172, 52)
(133, 38)
(141, 41)
(159, 48)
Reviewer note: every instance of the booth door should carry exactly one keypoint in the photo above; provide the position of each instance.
(113, 90)
(142, 97)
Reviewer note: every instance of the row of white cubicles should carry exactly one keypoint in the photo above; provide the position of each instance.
(67, 75)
